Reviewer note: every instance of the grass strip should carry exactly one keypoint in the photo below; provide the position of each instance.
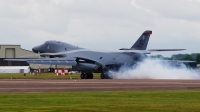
(130, 101)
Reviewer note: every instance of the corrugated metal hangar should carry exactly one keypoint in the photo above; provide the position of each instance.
(15, 51)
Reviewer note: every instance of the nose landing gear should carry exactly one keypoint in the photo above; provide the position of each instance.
(51, 70)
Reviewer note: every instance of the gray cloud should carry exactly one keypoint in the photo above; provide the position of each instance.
(101, 24)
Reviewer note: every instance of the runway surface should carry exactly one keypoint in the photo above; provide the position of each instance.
(40, 85)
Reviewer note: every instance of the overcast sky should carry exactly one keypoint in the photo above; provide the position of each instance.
(102, 24)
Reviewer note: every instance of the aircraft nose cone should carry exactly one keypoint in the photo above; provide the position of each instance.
(35, 49)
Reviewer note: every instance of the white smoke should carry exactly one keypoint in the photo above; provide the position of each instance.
(155, 69)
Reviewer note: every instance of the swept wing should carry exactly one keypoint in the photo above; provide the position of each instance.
(118, 51)
(50, 61)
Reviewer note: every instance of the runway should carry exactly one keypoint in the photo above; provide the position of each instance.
(42, 85)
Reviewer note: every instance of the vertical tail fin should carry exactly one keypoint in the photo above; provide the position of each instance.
(142, 42)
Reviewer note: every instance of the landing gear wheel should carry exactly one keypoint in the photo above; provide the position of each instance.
(104, 73)
(105, 76)
(87, 75)
(90, 75)
(102, 76)
(82, 75)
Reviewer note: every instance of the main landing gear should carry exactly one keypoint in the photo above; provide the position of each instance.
(87, 75)
(105, 75)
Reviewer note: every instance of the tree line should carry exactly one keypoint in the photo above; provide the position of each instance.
(185, 57)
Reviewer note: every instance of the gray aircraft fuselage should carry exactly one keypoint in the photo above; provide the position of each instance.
(89, 61)
(86, 59)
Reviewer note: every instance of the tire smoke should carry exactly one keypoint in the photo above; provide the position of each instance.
(155, 69)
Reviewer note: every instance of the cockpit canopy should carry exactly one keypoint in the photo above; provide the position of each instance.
(53, 46)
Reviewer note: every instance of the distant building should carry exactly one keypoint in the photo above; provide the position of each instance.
(15, 51)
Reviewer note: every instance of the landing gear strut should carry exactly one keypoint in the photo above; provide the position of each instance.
(87, 75)
(51, 69)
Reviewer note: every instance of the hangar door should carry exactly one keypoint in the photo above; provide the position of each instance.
(10, 53)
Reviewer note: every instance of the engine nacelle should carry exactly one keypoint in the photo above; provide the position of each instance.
(87, 67)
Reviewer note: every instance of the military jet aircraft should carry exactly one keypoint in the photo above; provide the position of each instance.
(91, 61)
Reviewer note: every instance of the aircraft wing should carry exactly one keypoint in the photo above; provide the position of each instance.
(118, 51)
(49, 61)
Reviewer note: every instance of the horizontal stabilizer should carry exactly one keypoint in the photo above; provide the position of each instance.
(157, 50)
(135, 51)
(153, 50)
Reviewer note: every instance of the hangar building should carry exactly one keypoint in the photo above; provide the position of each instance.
(15, 51)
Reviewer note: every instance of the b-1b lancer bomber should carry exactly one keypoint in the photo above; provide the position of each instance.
(91, 61)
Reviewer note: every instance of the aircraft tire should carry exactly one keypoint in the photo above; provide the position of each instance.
(86, 76)
(105, 76)
(102, 76)
(82, 76)
(90, 75)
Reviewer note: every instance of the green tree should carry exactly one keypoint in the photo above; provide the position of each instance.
(188, 57)
(198, 58)
(157, 56)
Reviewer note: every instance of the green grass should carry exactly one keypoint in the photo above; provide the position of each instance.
(184, 101)
(42, 76)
